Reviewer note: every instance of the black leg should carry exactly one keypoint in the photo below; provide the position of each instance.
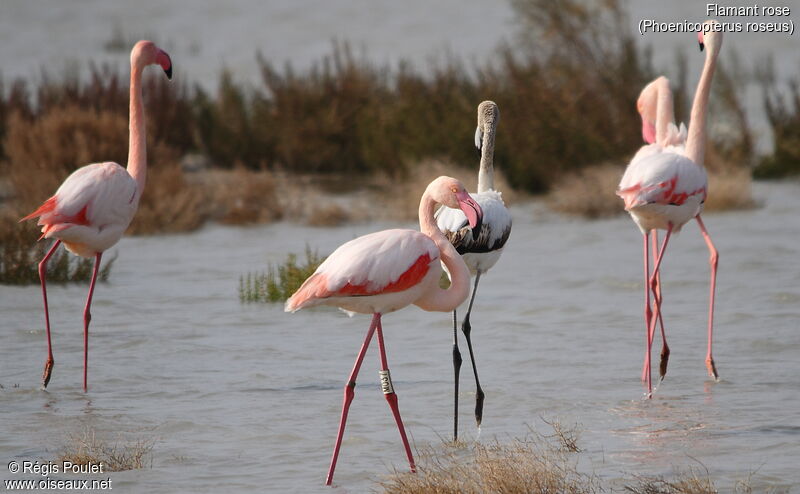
(466, 328)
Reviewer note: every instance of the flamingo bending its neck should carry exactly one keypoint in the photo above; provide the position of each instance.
(480, 248)
(385, 271)
(92, 208)
(665, 186)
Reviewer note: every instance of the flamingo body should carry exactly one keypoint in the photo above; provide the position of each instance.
(91, 210)
(663, 188)
(377, 273)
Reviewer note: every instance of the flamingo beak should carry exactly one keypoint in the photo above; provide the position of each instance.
(648, 131)
(472, 210)
(478, 138)
(165, 62)
(700, 40)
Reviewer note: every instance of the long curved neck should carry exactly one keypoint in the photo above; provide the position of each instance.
(664, 113)
(137, 152)
(437, 299)
(696, 139)
(486, 173)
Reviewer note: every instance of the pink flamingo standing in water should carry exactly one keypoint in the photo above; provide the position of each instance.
(385, 271)
(92, 208)
(665, 186)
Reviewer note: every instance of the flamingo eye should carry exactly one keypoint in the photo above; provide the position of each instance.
(454, 190)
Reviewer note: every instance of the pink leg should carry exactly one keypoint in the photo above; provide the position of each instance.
(647, 312)
(48, 365)
(87, 318)
(391, 397)
(662, 368)
(656, 311)
(713, 260)
(349, 392)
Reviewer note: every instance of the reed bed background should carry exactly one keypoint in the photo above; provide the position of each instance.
(293, 146)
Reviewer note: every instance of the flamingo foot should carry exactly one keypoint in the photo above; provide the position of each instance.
(712, 369)
(662, 368)
(479, 406)
(48, 369)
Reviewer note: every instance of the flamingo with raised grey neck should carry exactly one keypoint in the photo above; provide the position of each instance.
(481, 247)
(665, 186)
(92, 208)
(385, 271)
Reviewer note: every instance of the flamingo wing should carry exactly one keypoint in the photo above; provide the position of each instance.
(661, 177)
(92, 198)
(383, 262)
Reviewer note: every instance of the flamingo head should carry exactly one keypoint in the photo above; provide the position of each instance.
(646, 105)
(488, 116)
(451, 193)
(146, 53)
(710, 36)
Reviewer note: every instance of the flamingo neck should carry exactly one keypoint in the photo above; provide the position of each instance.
(664, 113)
(437, 299)
(137, 152)
(486, 172)
(696, 139)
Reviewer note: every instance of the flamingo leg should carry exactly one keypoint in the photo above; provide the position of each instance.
(456, 371)
(87, 318)
(349, 392)
(647, 312)
(48, 365)
(656, 308)
(466, 328)
(713, 260)
(658, 299)
(391, 397)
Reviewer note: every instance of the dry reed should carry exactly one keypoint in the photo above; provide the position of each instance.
(87, 448)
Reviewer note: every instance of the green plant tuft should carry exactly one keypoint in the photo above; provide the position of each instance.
(280, 281)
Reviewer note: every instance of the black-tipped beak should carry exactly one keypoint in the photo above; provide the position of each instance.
(168, 71)
(702, 45)
(476, 230)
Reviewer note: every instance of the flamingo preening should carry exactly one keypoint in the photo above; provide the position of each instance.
(480, 248)
(665, 186)
(92, 208)
(385, 271)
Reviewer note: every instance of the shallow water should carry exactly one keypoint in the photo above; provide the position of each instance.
(246, 397)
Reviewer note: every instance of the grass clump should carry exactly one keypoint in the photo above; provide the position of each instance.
(20, 255)
(280, 281)
(534, 464)
(88, 448)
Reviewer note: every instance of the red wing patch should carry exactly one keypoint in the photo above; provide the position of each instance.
(632, 195)
(411, 277)
(47, 207)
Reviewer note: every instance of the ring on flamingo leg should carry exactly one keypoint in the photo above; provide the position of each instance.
(713, 260)
(662, 367)
(391, 396)
(50, 362)
(349, 393)
(656, 311)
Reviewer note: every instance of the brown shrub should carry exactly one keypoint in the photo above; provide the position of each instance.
(170, 204)
(589, 192)
(87, 448)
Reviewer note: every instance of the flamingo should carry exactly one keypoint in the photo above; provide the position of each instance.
(665, 186)
(385, 271)
(92, 208)
(482, 248)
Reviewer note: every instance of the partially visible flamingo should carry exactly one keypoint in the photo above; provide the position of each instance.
(92, 208)
(386, 271)
(665, 186)
(480, 248)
